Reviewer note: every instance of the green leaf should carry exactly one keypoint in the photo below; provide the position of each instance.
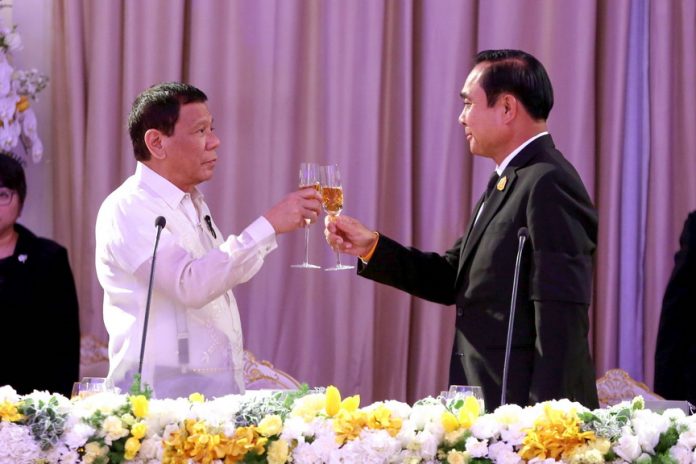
(667, 440)
(140, 388)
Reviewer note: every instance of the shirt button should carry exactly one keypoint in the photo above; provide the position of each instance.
(460, 312)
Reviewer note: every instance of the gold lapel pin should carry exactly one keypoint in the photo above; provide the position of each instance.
(501, 183)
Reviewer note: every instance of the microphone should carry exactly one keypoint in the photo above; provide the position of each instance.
(209, 223)
(522, 235)
(159, 223)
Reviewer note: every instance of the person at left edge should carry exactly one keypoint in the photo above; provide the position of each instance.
(38, 300)
(194, 338)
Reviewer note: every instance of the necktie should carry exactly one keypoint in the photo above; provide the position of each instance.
(489, 191)
(491, 185)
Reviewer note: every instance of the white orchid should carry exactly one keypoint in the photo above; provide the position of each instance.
(17, 89)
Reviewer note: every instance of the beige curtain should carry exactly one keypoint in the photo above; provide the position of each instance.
(373, 86)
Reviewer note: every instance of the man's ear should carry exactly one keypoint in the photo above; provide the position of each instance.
(153, 140)
(510, 106)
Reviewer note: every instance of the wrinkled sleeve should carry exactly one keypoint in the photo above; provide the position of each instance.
(196, 281)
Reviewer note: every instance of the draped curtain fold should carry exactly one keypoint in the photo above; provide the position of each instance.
(374, 86)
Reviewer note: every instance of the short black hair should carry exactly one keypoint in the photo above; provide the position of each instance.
(520, 74)
(12, 176)
(158, 108)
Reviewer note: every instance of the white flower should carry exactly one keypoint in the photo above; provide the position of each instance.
(5, 76)
(513, 434)
(9, 134)
(295, 429)
(13, 41)
(77, 432)
(113, 429)
(688, 439)
(7, 393)
(485, 427)
(61, 455)
(477, 448)
(501, 452)
(627, 446)
(18, 445)
(647, 427)
(8, 106)
(17, 89)
(165, 412)
(151, 448)
(681, 454)
(373, 446)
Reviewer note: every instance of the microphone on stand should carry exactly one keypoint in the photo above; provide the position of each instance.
(159, 223)
(522, 235)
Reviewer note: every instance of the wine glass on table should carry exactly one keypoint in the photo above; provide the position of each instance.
(332, 202)
(309, 178)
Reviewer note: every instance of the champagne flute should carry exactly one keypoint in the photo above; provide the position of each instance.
(332, 202)
(309, 177)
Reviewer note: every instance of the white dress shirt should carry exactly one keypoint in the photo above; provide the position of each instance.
(194, 335)
(501, 167)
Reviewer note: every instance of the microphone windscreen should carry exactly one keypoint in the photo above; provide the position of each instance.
(523, 232)
(160, 221)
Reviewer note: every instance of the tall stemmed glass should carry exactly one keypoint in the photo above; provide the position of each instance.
(332, 201)
(309, 177)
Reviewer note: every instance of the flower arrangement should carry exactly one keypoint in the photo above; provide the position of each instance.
(18, 88)
(318, 426)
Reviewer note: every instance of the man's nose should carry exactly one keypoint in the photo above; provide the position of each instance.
(461, 118)
(213, 141)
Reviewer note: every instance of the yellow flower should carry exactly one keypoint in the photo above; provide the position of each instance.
(309, 406)
(196, 398)
(22, 104)
(139, 430)
(201, 445)
(244, 440)
(131, 448)
(465, 418)
(348, 425)
(381, 419)
(603, 445)
(139, 405)
(449, 422)
(94, 451)
(457, 457)
(351, 403)
(333, 401)
(270, 425)
(469, 412)
(278, 452)
(555, 435)
(8, 412)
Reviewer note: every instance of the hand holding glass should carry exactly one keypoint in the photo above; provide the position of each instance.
(332, 201)
(309, 177)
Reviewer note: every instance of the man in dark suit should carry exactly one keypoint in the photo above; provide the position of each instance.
(675, 370)
(507, 99)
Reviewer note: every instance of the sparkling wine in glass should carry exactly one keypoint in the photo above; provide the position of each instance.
(309, 177)
(332, 202)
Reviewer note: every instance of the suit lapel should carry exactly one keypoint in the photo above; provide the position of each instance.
(499, 197)
(507, 181)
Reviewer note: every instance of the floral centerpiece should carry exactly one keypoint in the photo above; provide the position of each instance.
(18, 89)
(318, 426)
